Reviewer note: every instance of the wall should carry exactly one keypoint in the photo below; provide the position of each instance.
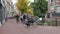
(2, 14)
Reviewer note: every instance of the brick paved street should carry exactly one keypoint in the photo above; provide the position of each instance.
(11, 27)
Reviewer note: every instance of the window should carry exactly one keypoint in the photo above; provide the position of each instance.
(0, 5)
(3, 2)
(52, 3)
(58, 10)
(52, 7)
(51, 0)
(48, 15)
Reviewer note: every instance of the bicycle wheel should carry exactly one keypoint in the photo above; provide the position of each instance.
(35, 24)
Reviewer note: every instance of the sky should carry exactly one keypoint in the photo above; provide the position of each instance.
(14, 1)
(32, 0)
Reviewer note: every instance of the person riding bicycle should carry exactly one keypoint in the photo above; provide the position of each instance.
(30, 20)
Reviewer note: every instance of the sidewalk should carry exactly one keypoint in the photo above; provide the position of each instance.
(11, 27)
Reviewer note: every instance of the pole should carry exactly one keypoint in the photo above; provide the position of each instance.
(56, 21)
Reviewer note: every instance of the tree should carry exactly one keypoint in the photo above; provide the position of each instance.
(22, 5)
(40, 7)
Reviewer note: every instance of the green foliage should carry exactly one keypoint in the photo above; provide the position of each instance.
(40, 7)
(22, 5)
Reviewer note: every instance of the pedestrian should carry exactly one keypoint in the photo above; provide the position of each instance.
(24, 17)
(6, 17)
(17, 18)
(31, 20)
(21, 18)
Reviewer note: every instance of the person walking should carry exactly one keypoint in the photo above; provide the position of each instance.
(17, 18)
(24, 17)
(6, 17)
(21, 18)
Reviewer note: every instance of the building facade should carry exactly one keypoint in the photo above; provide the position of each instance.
(2, 13)
(9, 7)
(6, 10)
(53, 11)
